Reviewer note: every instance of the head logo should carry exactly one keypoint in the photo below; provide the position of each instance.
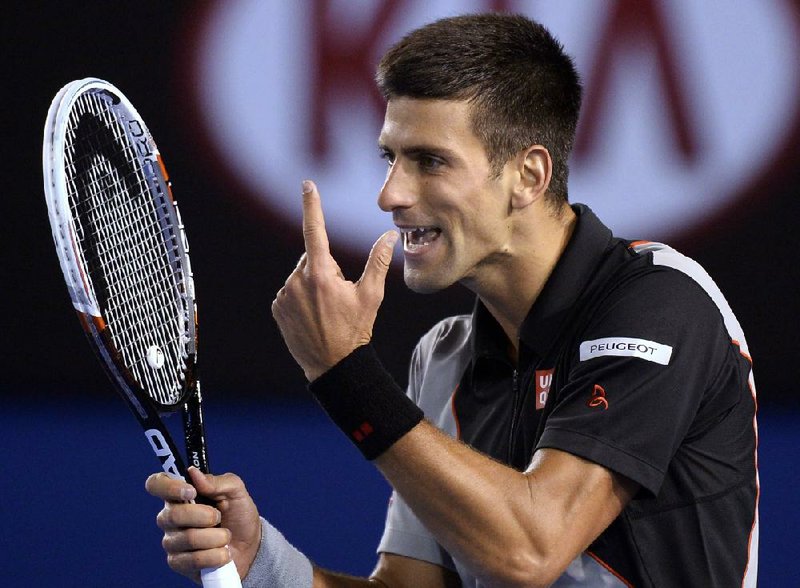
(163, 451)
(674, 102)
(598, 398)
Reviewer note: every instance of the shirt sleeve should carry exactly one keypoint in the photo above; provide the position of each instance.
(405, 535)
(638, 376)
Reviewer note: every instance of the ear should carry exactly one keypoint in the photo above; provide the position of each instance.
(535, 168)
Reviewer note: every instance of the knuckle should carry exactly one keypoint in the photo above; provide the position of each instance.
(190, 539)
(221, 556)
(175, 562)
(164, 519)
(232, 479)
(155, 485)
(172, 543)
(290, 282)
(150, 483)
(213, 516)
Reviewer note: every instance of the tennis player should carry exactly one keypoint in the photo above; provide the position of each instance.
(591, 423)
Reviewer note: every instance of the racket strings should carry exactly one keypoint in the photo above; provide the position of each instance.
(129, 245)
(122, 281)
(135, 284)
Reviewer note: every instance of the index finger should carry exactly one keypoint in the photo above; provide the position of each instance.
(163, 486)
(314, 234)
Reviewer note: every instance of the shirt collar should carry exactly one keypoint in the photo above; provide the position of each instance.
(489, 340)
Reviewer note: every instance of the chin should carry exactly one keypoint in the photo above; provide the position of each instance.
(424, 284)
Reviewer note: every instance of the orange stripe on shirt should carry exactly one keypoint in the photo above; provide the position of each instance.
(455, 416)
(608, 568)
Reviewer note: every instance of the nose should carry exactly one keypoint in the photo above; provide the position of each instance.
(398, 189)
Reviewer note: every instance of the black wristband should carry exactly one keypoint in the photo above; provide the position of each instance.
(365, 402)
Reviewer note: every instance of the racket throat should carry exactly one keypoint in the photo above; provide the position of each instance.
(194, 430)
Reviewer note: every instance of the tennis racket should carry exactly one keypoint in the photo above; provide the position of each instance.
(125, 258)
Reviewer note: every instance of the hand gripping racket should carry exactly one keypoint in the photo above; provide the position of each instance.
(125, 258)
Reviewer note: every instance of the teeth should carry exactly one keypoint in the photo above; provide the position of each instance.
(418, 237)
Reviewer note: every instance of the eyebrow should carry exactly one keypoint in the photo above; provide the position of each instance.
(414, 150)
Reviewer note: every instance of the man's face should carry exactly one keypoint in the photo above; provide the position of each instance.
(453, 215)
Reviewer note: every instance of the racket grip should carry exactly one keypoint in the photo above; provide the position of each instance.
(222, 577)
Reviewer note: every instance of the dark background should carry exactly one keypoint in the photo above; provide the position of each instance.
(74, 462)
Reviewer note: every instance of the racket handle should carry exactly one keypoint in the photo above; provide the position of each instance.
(222, 577)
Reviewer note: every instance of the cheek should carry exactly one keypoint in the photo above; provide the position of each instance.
(487, 224)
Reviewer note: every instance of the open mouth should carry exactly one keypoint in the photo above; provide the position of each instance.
(417, 238)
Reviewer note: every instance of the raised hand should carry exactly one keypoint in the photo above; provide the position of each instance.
(322, 316)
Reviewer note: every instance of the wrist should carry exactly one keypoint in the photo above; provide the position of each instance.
(365, 402)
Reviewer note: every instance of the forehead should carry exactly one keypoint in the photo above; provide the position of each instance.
(411, 121)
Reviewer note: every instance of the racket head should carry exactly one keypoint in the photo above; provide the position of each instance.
(120, 242)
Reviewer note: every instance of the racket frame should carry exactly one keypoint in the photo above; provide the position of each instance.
(147, 409)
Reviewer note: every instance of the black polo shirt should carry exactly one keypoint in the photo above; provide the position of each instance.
(631, 358)
(626, 360)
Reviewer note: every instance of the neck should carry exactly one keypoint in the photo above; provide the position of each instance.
(510, 290)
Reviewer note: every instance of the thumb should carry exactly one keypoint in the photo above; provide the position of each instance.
(239, 514)
(380, 257)
(217, 488)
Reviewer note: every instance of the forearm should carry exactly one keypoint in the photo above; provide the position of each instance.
(481, 511)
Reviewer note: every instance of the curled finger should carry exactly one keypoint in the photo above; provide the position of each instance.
(182, 516)
(195, 539)
(171, 489)
(189, 563)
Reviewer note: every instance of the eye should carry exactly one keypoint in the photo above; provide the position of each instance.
(387, 156)
(429, 163)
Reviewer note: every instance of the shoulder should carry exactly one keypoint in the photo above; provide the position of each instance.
(439, 359)
(663, 296)
(447, 336)
(659, 282)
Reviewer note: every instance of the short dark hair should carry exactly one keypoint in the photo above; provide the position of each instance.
(524, 88)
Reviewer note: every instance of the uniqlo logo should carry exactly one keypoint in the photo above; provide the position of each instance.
(543, 380)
